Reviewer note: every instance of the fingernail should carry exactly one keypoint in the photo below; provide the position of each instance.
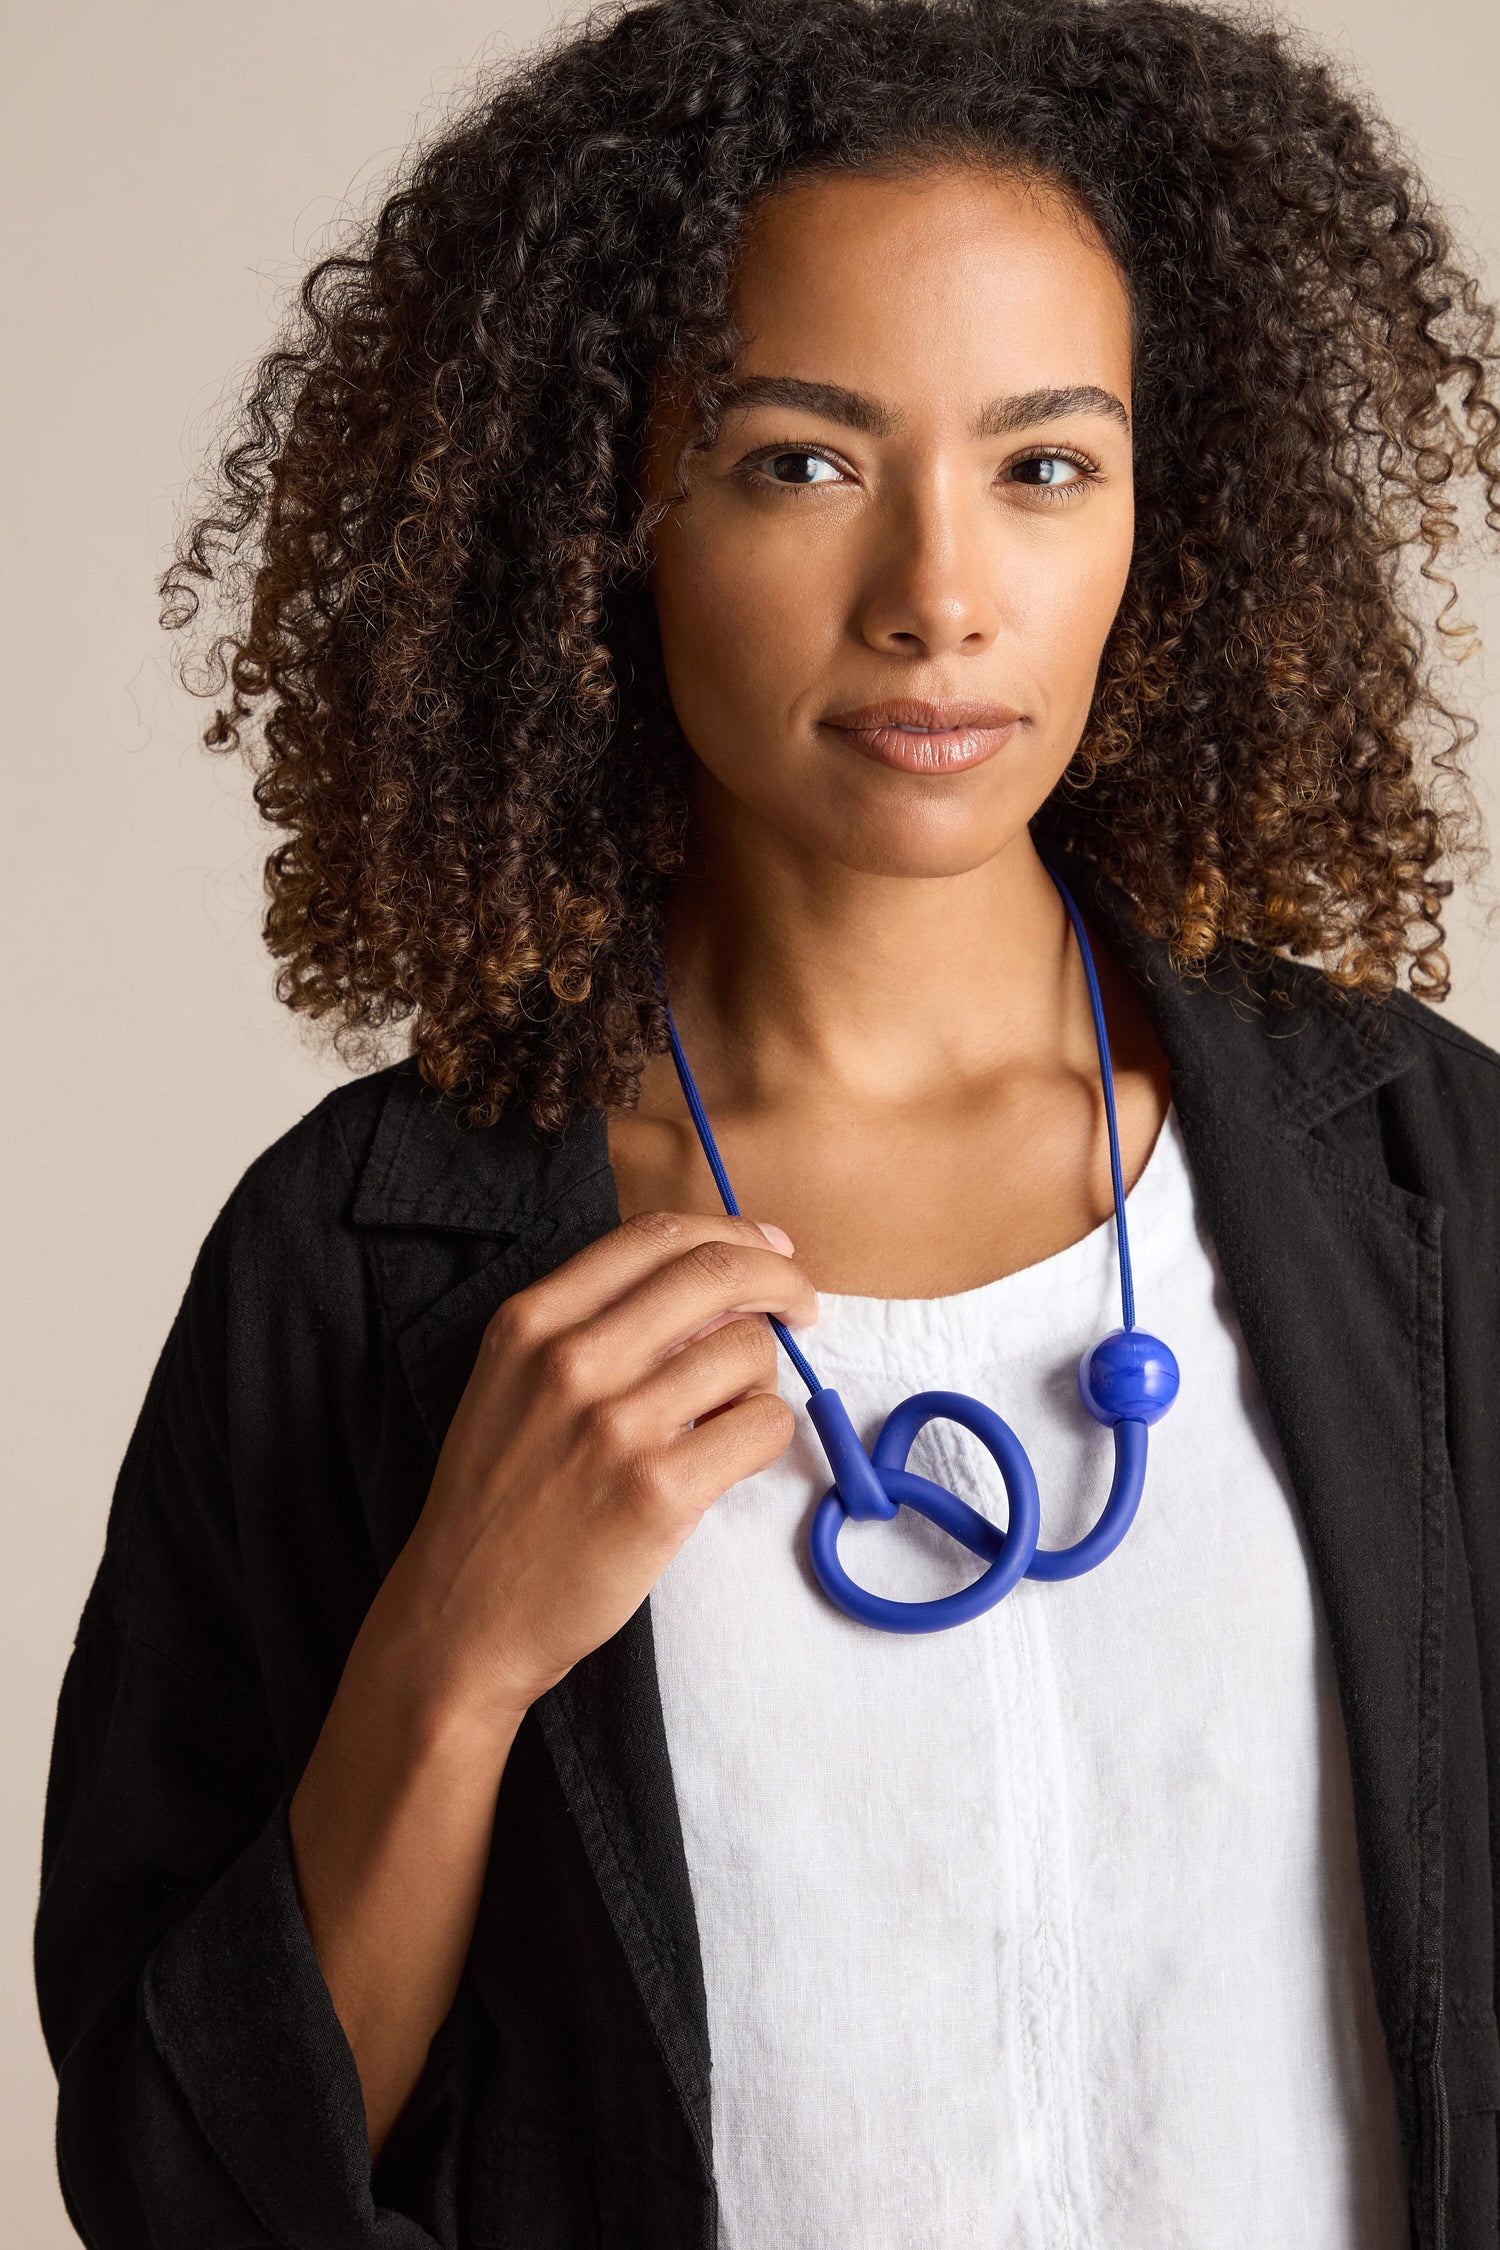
(778, 1237)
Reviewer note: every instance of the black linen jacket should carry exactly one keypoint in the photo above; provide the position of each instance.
(1348, 1163)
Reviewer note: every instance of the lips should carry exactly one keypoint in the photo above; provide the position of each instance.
(922, 737)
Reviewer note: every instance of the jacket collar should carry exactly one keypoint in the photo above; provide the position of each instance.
(1270, 1030)
(1274, 1033)
(1334, 1274)
(422, 1171)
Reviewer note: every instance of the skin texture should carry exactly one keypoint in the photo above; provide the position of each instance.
(874, 976)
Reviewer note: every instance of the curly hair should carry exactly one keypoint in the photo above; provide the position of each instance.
(427, 514)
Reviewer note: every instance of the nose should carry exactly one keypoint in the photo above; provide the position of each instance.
(932, 585)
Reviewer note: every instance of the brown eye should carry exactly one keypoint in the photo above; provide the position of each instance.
(763, 466)
(1054, 473)
(806, 462)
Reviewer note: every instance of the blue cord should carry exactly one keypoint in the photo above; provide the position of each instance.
(1107, 1077)
(1106, 1073)
(716, 1166)
(1126, 1381)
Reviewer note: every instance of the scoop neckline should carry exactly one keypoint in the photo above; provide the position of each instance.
(1088, 1251)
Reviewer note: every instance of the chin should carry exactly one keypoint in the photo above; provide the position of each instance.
(880, 849)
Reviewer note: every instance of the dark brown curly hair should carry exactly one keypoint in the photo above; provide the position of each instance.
(428, 522)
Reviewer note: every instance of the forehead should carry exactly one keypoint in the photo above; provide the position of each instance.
(937, 285)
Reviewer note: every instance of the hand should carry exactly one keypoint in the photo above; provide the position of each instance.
(610, 1404)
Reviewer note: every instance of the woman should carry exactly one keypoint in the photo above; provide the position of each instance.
(778, 486)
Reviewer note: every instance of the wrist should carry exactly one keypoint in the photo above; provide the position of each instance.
(438, 1695)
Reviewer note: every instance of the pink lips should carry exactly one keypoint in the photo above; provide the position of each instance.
(922, 737)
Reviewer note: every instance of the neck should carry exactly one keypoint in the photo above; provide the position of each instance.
(786, 971)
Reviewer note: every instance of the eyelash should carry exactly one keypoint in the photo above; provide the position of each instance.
(817, 453)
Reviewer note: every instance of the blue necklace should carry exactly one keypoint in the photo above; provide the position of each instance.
(1126, 1381)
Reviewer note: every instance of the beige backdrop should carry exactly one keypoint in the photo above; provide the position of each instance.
(173, 168)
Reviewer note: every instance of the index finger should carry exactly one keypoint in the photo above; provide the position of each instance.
(598, 1275)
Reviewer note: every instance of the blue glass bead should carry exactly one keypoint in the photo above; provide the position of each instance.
(1128, 1376)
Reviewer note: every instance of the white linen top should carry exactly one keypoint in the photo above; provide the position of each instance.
(1045, 1932)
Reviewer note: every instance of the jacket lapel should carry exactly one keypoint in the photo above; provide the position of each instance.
(525, 1203)
(1335, 1277)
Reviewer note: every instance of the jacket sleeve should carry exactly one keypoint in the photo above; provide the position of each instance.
(208, 2099)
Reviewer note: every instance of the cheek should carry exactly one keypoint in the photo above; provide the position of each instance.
(1065, 596)
(743, 626)
(1060, 607)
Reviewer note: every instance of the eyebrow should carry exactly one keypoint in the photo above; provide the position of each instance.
(858, 411)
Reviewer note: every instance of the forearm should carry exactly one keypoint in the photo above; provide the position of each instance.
(390, 1828)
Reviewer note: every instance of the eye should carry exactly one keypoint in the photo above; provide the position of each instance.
(771, 457)
(1053, 474)
(1050, 483)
